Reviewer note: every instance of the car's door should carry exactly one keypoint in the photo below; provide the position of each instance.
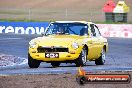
(99, 40)
(94, 49)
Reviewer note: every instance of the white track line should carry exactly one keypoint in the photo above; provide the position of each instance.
(10, 38)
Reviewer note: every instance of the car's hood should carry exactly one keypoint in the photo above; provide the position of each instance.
(57, 40)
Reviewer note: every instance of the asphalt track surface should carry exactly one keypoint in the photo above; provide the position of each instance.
(119, 56)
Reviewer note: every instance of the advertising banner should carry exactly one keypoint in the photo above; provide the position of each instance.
(23, 27)
(107, 30)
(116, 30)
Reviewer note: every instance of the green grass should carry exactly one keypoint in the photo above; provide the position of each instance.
(23, 20)
(114, 22)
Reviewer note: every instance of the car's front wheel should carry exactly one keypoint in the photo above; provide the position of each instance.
(82, 59)
(32, 62)
(101, 59)
(55, 64)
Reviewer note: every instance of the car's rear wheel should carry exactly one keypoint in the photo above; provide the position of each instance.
(101, 59)
(32, 62)
(55, 64)
(82, 59)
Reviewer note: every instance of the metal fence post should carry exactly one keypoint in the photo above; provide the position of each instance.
(29, 14)
(66, 13)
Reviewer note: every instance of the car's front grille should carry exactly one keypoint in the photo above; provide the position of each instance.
(49, 49)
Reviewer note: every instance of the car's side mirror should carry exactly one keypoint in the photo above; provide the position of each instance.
(43, 34)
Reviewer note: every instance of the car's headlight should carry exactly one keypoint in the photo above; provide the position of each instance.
(32, 44)
(75, 45)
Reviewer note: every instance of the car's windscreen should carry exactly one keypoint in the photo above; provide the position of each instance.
(67, 28)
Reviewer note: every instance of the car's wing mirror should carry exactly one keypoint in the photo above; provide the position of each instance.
(43, 34)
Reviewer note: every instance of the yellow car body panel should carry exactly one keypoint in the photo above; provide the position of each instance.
(60, 41)
(94, 44)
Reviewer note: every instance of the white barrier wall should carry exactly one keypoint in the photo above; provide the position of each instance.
(116, 30)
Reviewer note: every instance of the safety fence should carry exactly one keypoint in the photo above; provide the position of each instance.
(54, 14)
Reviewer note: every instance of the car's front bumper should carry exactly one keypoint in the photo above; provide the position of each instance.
(63, 56)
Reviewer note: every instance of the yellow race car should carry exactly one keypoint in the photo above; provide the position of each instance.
(68, 42)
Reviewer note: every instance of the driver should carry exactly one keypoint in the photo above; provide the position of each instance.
(61, 30)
